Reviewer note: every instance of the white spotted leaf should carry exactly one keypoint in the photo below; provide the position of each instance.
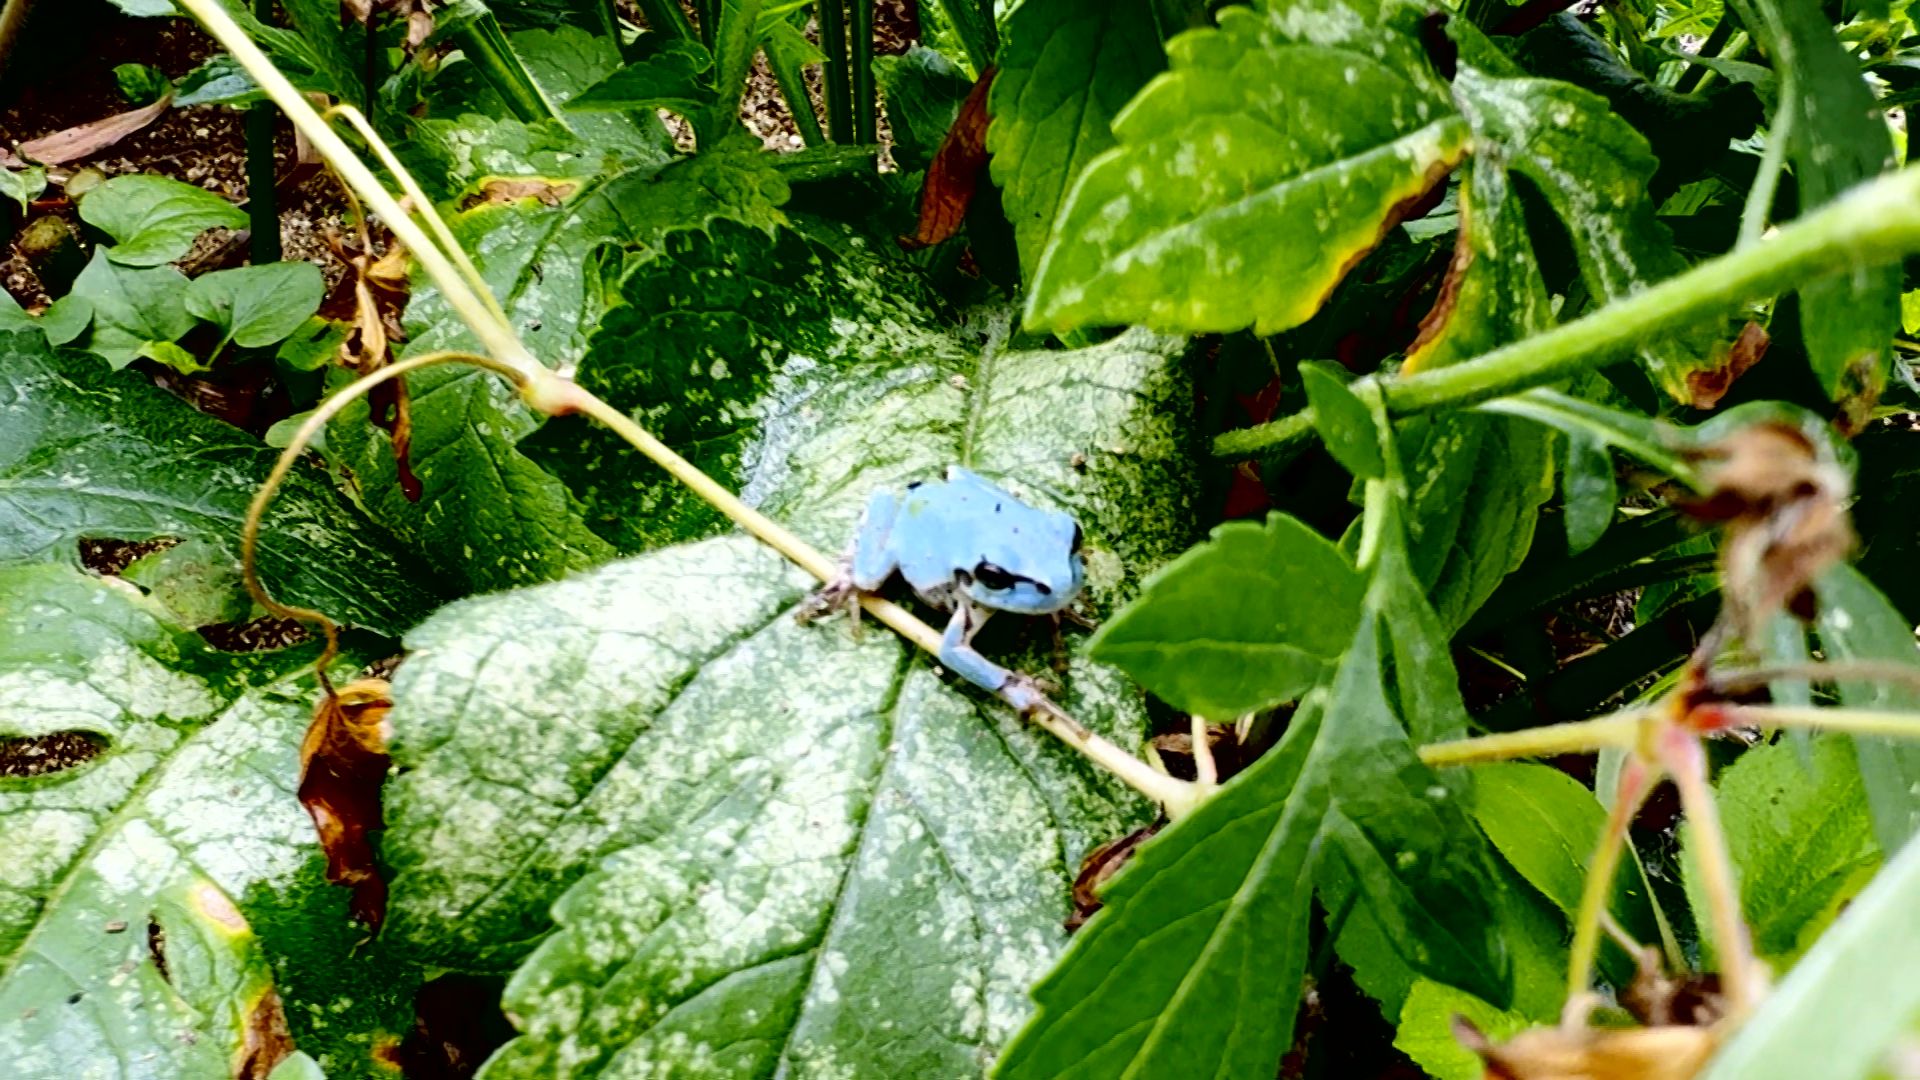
(709, 841)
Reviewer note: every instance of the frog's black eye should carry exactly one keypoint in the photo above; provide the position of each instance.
(993, 577)
(1079, 539)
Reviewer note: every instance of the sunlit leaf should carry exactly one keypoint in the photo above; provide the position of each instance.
(154, 219)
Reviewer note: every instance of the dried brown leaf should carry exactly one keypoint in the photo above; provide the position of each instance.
(90, 138)
(500, 191)
(954, 173)
(1100, 865)
(1651, 1053)
(1706, 388)
(343, 764)
(267, 1041)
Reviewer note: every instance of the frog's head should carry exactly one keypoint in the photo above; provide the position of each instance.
(1034, 568)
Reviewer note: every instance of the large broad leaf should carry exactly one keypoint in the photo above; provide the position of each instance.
(1857, 623)
(1273, 154)
(87, 452)
(721, 843)
(1195, 965)
(1836, 138)
(141, 839)
(1066, 69)
(1798, 829)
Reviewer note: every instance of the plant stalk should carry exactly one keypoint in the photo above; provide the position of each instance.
(1626, 729)
(1636, 783)
(1740, 970)
(664, 17)
(866, 103)
(833, 43)
(1876, 223)
(1899, 725)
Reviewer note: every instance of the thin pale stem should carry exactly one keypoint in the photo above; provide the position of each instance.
(256, 511)
(1636, 782)
(1759, 208)
(1621, 729)
(1204, 768)
(1900, 725)
(496, 336)
(1740, 971)
(1177, 796)
(1825, 671)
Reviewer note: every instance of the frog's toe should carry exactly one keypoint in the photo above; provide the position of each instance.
(1026, 693)
(836, 595)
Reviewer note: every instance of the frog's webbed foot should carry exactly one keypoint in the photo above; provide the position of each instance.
(1023, 692)
(1077, 617)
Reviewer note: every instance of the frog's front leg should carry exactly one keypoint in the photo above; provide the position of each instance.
(865, 567)
(958, 654)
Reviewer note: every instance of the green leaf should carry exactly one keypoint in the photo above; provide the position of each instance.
(256, 306)
(923, 91)
(1343, 420)
(219, 80)
(121, 944)
(1547, 825)
(736, 41)
(1836, 138)
(746, 829)
(1426, 1035)
(131, 307)
(23, 185)
(153, 219)
(1194, 966)
(66, 318)
(141, 84)
(173, 356)
(86, 452)
(1162, 229)
(133, 875)
(1800, 835)
(1857, 623)
(313, 344)
(13, 316)
(197, 582)
(1848, 1000)
(678, 78)
(1587, 491)
(1066, 69)
(1243, 622)
(1592, 167)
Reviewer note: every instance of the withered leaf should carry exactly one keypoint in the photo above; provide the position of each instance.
(267, 1041)
(371, 300)
(1709, 386)
(954, 172)
(1651, 1053)
(502, 190)
(1101, 864)
(343, 765)
(87, 139)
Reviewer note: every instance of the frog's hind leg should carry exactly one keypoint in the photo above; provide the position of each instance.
(864, 568)
(958, 654)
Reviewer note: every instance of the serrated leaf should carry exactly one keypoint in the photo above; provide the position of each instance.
(1848, 1000)
(748, 829)
(154, 219)
(131, 307)
(256, 306)
(678, 77)
(1856, 622)
(1194, 965)
(86, 452)
(1836, 138)
(1798, 831)
(1245, 621)
(1156, 230)
(1066, 69)
(1425, 1031)
(1592, 167)
(703, 336)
